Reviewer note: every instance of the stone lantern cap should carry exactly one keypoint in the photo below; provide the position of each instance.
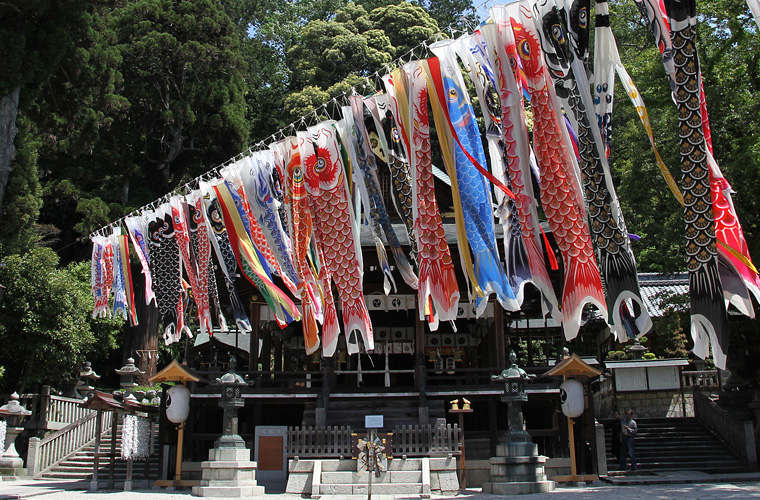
(14, 408)
(88, 372)
(129, 369)
(513, 371)
(231, 377)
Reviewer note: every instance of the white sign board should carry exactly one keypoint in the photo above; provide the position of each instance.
(373, 421)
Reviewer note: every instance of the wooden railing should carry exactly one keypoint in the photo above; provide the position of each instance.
(703, 378)
(47, 452)
(409, 440)
(738, 436)
(314, 441)
(426, 440)
(63, 411)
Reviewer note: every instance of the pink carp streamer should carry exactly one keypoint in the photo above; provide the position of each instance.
(339, 246)
(503, 55)
(438, 290)
(561, 195)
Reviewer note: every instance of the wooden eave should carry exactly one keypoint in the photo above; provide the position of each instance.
(174, 372)
(573, 367)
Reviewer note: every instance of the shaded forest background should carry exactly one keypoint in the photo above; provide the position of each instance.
(107, 105)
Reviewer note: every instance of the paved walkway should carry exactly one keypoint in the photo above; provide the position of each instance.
(710, 487)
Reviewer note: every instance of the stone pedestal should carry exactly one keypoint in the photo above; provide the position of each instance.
(11, 464)
(228, 473)
(517, 469)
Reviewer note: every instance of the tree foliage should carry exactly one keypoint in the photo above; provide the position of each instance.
(46, 327)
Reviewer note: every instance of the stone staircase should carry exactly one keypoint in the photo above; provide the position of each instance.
(676, 444)
(412, 477)
(80, 464)
(396, 411)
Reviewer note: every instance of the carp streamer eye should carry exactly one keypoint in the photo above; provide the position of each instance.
(320, 166)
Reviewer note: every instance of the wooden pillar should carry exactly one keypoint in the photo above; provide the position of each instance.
(253, 356)
(492, 427)
(266, 349)
(277, 353)
(498, 326)
(96, 461)
(112, 465)
(420, 370)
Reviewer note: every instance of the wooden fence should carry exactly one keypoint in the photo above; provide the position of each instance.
(409, 440)
(315, 441)
(738, 436)
(426, 440)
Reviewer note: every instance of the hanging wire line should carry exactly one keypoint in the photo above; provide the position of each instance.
(373, 80)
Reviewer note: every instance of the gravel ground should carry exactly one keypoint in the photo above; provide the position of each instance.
(723, 491)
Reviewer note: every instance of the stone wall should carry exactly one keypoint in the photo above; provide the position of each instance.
(654, 403)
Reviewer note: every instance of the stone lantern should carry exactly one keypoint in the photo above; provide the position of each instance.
(13, 414)
(229, 471)
(232, 385)
(128, 373)
(517, 468)
(86, 378)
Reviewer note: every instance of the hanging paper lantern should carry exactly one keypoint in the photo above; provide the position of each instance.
(178, 404)
(571, 397)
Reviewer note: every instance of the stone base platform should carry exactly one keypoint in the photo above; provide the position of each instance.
(228, 473)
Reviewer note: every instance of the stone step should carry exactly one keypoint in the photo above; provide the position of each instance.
(377, 489)
(345, 477)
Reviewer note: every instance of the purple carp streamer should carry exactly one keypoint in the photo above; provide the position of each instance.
(137, 229)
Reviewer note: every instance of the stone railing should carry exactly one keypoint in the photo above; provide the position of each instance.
(47, 452)
(708, 379)
(738, 436)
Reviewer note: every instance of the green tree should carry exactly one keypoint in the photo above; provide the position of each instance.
(38, 37)
(46, 326)
(334, 55)
(183, 76)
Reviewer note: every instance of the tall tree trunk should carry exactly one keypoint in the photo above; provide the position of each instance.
(145, 334)
(8, 129)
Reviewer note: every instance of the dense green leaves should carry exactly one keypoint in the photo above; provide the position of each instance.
(46, 327)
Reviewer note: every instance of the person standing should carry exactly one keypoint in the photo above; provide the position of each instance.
(629, 430)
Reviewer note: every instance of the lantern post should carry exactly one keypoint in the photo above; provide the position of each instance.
(174, 372)
(576, 373)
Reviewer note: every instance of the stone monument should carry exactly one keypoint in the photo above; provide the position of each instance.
(517, 468)
(229, 471)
